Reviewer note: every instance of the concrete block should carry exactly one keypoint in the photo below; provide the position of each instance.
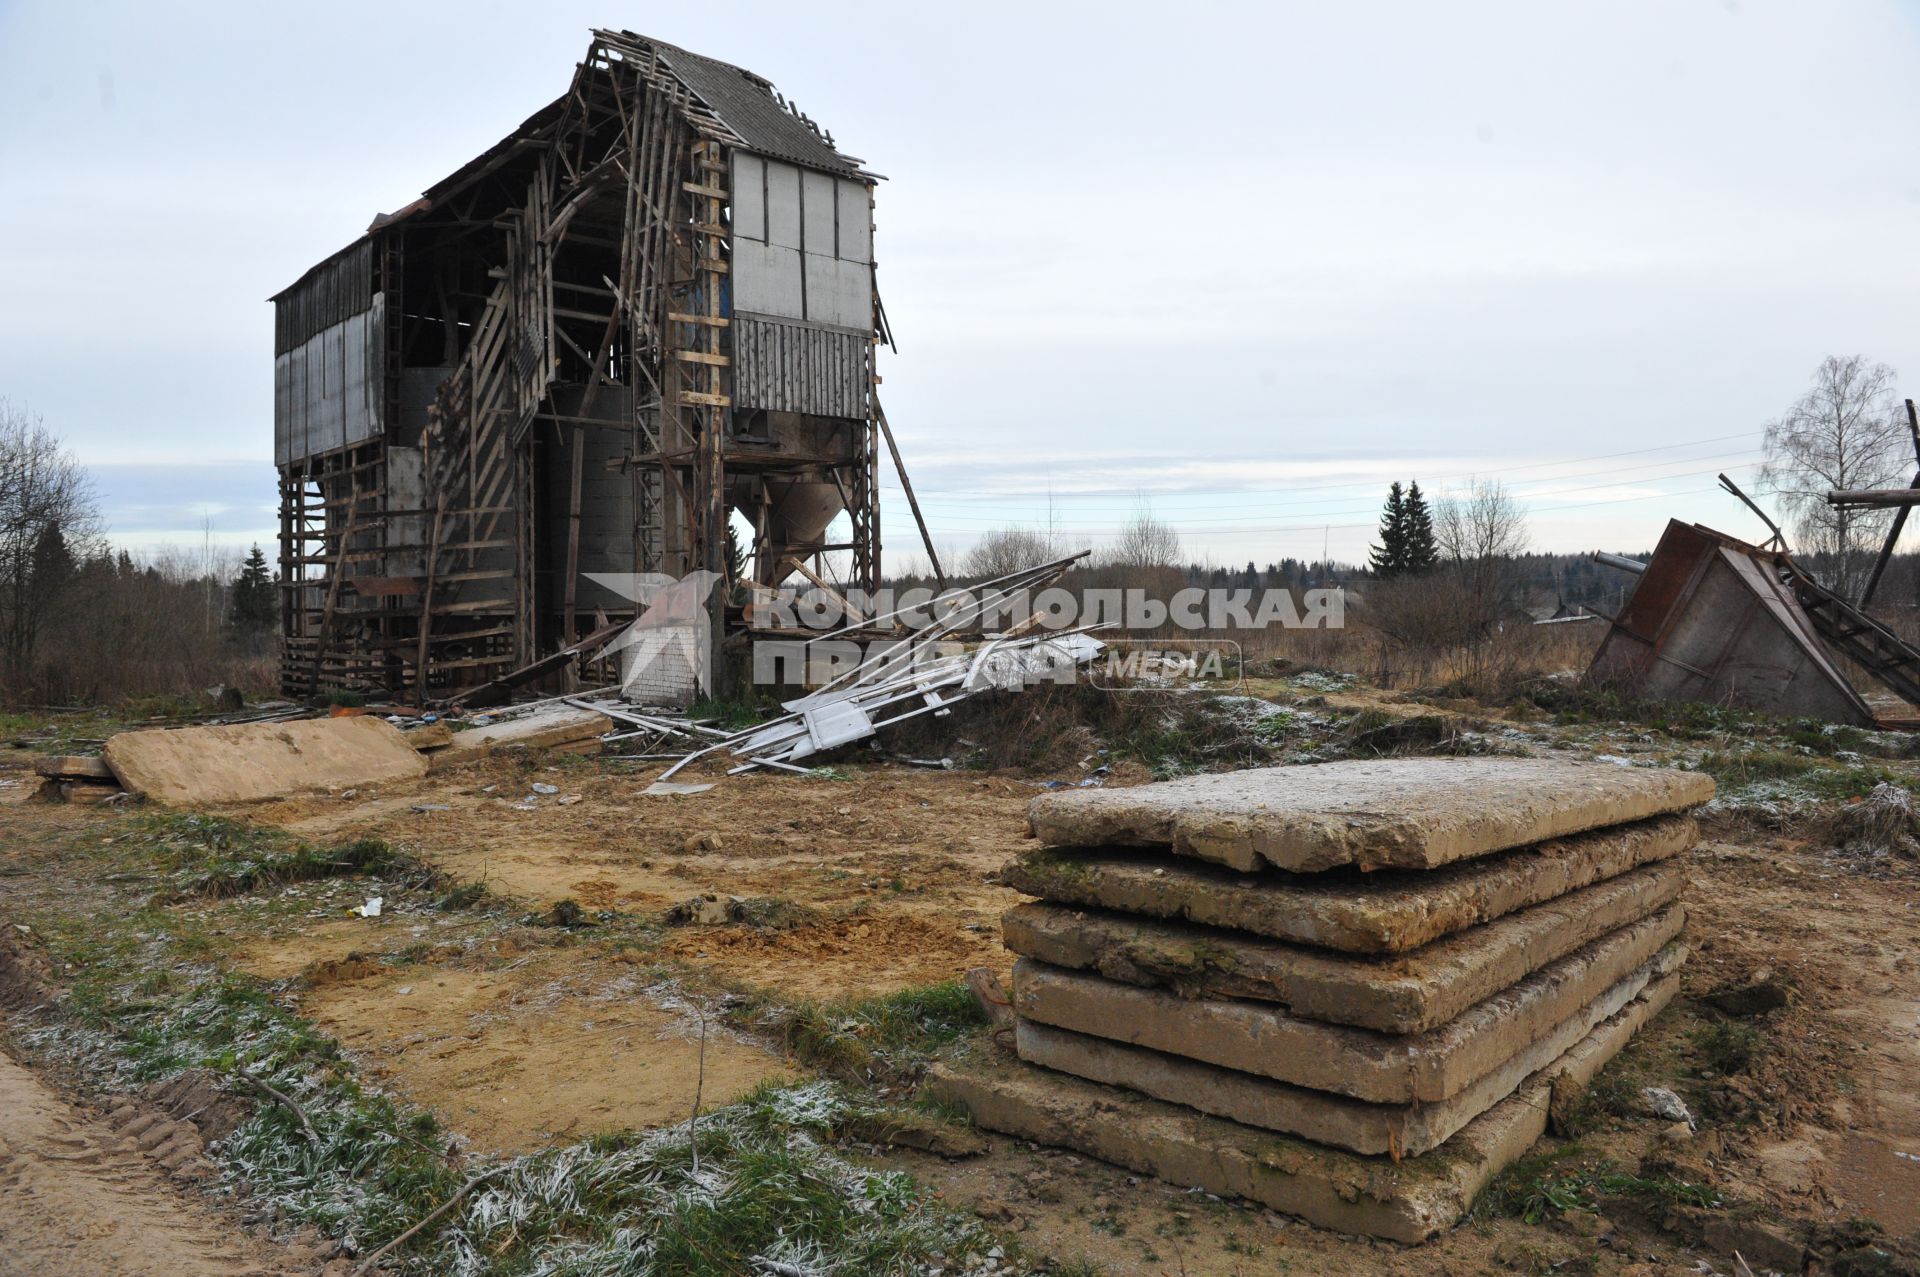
(1336, 1120)
(1412, 813)
(1422, 1068)
(245, 762)
(1407, 993)
(1411, 1200)
(1387, 912)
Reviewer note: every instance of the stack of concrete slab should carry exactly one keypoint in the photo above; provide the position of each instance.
(1342, 990)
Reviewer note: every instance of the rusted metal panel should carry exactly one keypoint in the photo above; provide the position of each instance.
(1711, 620)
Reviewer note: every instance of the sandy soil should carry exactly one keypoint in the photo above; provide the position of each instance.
(896, 861)
(541, 1048)
(888, 876)
(80, 1201)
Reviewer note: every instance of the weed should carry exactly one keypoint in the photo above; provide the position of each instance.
(467, 895)
(1548, 1184)
(733, 713)
(213, 857)
(888, 1036)
(1730, 1046)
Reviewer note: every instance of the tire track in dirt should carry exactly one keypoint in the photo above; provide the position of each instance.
(77, 1199)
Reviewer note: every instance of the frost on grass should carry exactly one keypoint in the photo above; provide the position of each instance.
(1321, 681)
(758, 1179)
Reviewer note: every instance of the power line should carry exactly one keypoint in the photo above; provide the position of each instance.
(931, 496)
(1178, 521)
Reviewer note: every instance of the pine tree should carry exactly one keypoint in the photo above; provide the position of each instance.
(1389, 557)
(1421, 550)
(736, 557)
(256, 603)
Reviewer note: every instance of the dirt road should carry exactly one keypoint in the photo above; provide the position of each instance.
(77, 1199)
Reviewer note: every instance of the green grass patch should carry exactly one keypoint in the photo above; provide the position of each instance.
(875, 1038)
(1540, 1187)
(214, 858)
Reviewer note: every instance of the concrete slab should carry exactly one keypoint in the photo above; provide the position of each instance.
(550, 727)
(244, 762)
(1412, 813)
(1384, 1068)
(1411, 1200)
(1387, 912)
(1395, 1129)
(1407, 993)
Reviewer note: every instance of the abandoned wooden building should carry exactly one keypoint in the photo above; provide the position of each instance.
(649, 307)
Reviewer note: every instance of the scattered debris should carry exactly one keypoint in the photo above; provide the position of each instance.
(991, 995)
(546, 725)
(704, 910)
(1667, 1106)
(660, 787)
(371, 909)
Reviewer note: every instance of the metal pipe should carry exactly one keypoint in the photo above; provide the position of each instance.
(1620, 561)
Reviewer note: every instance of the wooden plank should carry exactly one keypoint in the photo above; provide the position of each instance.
(701, 357)
(692, 398)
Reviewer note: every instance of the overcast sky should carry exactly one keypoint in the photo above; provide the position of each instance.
(1244, 262)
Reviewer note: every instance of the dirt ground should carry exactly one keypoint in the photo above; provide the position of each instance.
(82, 1201)
(882, 882)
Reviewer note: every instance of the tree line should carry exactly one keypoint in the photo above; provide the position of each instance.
(82, 621)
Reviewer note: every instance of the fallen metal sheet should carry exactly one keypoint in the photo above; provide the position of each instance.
(1717, 620)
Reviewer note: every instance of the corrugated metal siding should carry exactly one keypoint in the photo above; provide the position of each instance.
(796, 367)
(327, 389)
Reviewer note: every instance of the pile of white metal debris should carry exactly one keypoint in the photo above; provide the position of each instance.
(927, 672)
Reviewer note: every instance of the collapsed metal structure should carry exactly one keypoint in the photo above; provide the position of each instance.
(1719, 620)
(651, 306)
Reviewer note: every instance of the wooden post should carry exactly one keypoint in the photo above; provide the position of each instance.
(1899, 516)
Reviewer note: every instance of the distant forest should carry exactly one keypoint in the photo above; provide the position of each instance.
(1551, 580)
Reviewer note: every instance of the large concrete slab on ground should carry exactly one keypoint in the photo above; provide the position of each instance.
(1383, 1068)
(245, 762)
(1361, 1127)
(1386, 912)
(1410, 813)
(1405, 993)
(1411, 1200)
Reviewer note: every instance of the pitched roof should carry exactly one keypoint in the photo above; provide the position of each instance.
(746, 103)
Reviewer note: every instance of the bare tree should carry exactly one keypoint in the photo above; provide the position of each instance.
(1145, 544)
(1847, 431)
(1482, 525)
(1007, 550)
(48, 521)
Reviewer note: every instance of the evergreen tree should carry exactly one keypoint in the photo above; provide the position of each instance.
(1389, 558)
(1421, 550)
(256, 602)
(736, 557)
